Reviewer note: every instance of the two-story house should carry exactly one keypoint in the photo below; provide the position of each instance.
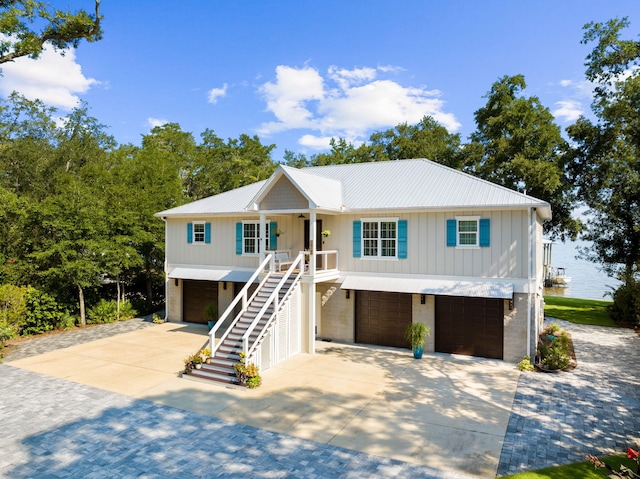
(355, 253)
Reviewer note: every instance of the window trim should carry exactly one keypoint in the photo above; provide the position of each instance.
(379, 240)
(459, 244)
(194, 239)
(257, 238)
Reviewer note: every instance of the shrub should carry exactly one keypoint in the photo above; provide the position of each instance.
(43, 313)
(13, 310)
(554, 347)
(525, 364)
(103, 312)
(127, 311)
(626, 302)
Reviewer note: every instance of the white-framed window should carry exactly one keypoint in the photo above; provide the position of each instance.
(468, 231)
(198, 232)
(251, 237)
(380, 238)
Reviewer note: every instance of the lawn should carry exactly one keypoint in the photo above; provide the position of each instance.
(580, 311)
(582, 470)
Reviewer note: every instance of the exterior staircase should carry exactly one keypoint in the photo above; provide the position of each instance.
(220, 368)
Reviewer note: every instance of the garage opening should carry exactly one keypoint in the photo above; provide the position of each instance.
(196, 295)
(382, 318)
(469, 326)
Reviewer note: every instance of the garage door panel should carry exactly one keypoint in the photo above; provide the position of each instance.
(469, 326)
(196, 295)
(382, 318)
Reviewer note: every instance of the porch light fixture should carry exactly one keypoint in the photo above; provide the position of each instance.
(176, 281)
(224, 285)
(302, 217)
(347, 293)
(423, 299)
(511, 305)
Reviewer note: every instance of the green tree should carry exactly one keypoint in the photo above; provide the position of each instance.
(518, 145)
(606, 159)
(60, 29)
(427, 139)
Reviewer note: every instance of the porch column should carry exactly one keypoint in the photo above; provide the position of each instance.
(312, 245)
(262, 237)
(312, 316)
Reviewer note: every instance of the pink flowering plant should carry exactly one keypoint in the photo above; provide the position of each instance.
(624, 471)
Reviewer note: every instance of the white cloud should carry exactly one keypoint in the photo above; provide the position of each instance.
(153, 122)
(315, 142)
(55, 79)
(346, 103)
(569, 110)
(216, 93)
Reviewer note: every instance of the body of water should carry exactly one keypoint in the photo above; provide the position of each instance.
(587, 281)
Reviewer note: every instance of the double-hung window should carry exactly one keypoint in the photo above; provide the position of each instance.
(468, 231)
(251, 237)
(198, 233)
(379, 238)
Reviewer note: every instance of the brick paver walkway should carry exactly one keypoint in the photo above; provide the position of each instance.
(594, 409)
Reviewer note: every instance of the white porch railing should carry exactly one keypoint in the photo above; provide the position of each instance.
(328, 260)
(294, 270)
(243, 296)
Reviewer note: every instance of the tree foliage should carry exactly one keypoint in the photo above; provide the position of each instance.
(606, 157)
(60, 29)
(518, 145)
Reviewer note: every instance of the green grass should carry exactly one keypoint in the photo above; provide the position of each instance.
(580, 311)
(582, 470)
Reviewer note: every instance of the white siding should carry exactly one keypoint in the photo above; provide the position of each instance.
(427, 250)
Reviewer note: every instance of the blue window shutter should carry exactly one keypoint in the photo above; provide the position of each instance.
(189, 233)
(452, 232)
(357, 232)
(485, 232)
(273, 235)
(207, 233)
(239, 238)
(402, 239)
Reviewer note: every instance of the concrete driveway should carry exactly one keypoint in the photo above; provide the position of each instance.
(445, 412)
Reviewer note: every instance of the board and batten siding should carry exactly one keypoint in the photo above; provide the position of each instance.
(428, 254)
(222, 249)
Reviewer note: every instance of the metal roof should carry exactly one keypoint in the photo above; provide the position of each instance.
(416, 185)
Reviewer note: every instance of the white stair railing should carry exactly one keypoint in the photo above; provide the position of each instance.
(298, 267)
(243, 296)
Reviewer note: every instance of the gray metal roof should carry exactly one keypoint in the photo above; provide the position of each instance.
(386, 185)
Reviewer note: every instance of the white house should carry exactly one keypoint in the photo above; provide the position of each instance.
(355, 253)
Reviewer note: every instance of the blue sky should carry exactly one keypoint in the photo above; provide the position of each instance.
(297, 73)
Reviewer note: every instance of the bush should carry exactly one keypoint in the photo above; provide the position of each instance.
(43, 313)
(127, 311)
(103, 312)
(626, 302)
(525, 364)
(13, 310)
(554, 347)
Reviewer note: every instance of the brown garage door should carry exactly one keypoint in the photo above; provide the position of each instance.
(382, 318)
(196, 295)
(469, 326)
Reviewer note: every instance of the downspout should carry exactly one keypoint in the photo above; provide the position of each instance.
(529, 282)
